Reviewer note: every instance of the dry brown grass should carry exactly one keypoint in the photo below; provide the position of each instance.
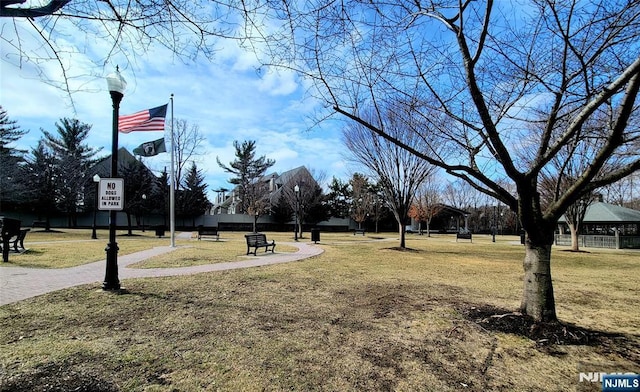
(359, 317)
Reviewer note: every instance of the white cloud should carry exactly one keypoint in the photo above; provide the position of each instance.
(226, 98)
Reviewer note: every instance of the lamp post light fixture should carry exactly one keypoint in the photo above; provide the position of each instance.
(94, 236)
(296, 189)
(116, 85)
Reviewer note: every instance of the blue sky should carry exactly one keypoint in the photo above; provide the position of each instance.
(226, 98)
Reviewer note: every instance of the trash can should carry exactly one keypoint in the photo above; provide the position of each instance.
(160, 229)
(315, 235)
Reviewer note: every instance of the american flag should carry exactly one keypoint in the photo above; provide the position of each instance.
(145, 120)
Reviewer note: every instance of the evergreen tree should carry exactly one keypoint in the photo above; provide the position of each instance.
(10, 161)
(73, 157)
(138, 181)
(337, 200)
(193, 200)
(248, 170)
(39, 175)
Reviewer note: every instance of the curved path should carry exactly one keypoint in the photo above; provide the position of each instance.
(18, 283)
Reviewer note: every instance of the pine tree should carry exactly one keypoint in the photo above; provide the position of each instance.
(248, 170)
(11, 159)
(193, 199)
(40, 175)
(73, 158)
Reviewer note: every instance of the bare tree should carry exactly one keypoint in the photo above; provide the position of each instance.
(188, 145)
(569, 163)
(187, 28)
(625, 192)
(361, 198)
(506, 90)
(306, 202)
(398, 172)
(427, 203)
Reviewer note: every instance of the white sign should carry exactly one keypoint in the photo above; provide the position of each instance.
(111, 194)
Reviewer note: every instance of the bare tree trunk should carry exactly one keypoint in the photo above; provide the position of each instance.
(575, 246)
(129, 231)
(537, 300)
(402, 236)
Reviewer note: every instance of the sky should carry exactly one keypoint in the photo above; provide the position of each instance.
(227, 98)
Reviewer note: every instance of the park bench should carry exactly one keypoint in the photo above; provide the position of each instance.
(464, 236)
(358, 231)
(258, 240)
(18, 240)
(208, 231)
(9, 229)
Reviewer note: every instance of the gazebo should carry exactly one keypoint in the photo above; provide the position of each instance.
(605, 226)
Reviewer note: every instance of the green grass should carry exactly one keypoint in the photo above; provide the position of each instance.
(360, 317)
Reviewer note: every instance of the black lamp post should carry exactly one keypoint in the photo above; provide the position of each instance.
(94, 236)
(296, 189)
(144, 206)
(493, 226)
(116, 85)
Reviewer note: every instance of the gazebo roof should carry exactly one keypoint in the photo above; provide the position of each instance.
(600, 212)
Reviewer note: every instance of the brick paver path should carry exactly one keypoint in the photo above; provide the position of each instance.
(17, 283)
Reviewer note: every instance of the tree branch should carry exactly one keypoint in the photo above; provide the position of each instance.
(45, 10)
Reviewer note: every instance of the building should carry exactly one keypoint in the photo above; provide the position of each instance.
(604, 226)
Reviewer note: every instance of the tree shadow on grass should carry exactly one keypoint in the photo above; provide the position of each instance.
(547, 335)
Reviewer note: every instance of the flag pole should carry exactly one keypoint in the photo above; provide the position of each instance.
(172, 209)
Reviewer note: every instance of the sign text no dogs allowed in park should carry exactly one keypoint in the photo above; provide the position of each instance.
(111, 194)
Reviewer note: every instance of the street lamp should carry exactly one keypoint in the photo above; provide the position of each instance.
(94, 236)
(144, 204)
(296, 189)
(493, 225)
(116, 85)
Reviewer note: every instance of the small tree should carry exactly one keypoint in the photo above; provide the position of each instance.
(307, 203)
(248, 171)
(361, 198)
(426, 204)
(193, 200)
(398, 171)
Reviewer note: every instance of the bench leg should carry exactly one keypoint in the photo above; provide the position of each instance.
(5, 251)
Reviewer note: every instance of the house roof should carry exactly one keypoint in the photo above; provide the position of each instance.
(103, 166)
(600, 212)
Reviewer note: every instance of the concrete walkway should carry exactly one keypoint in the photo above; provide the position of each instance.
(18, 283)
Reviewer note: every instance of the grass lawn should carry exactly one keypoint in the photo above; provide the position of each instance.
(362, 316)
